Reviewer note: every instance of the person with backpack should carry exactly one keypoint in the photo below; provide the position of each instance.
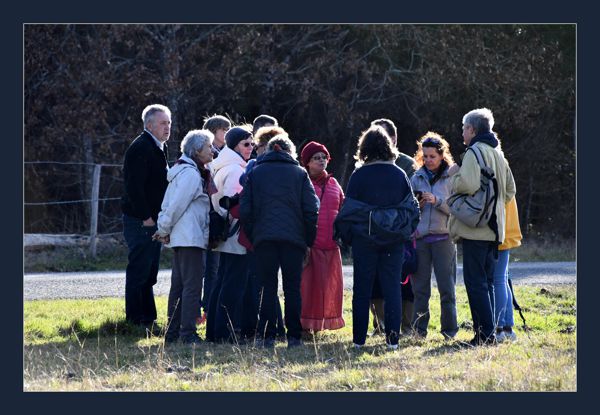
(406, 163)
(228, 289)
(378, 216)
(435, 249)
(480, 238)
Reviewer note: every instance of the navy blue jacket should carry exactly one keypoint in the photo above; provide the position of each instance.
(279, 202)
(382, 225)
(145, 177)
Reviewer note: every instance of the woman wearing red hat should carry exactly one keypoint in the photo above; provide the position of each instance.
(322, 279)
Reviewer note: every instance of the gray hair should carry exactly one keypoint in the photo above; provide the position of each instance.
(150, 110)
(481, 119)
(284, 143)
(195, 140)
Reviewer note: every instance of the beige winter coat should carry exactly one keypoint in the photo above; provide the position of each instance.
(467, 180)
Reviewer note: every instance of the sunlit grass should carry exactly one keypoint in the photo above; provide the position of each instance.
(86, 345)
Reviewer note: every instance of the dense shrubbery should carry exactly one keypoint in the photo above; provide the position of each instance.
(86, 85)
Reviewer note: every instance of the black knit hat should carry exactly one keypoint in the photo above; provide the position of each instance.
(235, 135)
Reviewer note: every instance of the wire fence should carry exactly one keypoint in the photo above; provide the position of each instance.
(64, 198)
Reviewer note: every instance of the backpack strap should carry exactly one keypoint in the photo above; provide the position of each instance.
(478, 156)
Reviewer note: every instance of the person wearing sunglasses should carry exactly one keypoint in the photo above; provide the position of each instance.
(435, 250)
(228, 290)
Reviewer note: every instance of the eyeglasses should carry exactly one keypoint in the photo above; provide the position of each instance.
(248, 144)
(317, 158)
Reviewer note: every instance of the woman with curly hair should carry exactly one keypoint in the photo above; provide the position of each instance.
(435, 250)
(378, 216)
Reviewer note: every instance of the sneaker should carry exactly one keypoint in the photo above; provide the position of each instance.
(294, 342)
(358, 346)
(392, 346)
(510, 335)
(500, 336)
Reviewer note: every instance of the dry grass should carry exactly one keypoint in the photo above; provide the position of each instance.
(84, 345)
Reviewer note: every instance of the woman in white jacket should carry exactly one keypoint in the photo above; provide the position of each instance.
(183, 225)
(227, 293)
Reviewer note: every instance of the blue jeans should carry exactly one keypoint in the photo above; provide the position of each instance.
(210, 275)
(503, 313)
(384, 263)
(142, 270)
(478, 273)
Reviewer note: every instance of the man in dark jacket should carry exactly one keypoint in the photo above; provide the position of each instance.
(145, 176)
(279, 210)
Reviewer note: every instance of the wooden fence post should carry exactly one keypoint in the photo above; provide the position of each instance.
(94, 209)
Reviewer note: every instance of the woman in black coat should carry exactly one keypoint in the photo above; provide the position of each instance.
(279, 211)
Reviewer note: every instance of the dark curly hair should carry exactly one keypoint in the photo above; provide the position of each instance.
(375, 144)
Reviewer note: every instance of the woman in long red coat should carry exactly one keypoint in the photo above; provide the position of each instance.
(322, 286)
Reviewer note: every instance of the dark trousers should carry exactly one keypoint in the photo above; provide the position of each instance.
(270, 256)
(384, 263)
(141, 272)
(478, 272)
(234, 276)
(210, 275)
(248, 311)
(185, 292)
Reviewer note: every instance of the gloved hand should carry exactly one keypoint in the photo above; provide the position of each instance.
(227, 202)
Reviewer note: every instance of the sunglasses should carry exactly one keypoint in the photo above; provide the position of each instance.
(432, 141)
(248, 144)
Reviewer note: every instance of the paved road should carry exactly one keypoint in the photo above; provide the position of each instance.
(112, 283)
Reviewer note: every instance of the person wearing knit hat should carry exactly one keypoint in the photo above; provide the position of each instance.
(310, 149)
(228, 289)
(235, 135)
(322, 283)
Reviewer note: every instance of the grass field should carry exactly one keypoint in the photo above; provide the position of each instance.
(84, 345)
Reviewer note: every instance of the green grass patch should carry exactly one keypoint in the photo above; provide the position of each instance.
(85, 345)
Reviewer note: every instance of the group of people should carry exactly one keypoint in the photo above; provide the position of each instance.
(239, 207)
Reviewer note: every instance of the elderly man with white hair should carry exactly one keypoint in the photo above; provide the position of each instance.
(145, 179)
(183, 225)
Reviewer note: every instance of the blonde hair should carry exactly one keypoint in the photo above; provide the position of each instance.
(433, 140)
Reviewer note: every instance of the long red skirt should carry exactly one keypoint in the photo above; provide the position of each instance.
(322, 290)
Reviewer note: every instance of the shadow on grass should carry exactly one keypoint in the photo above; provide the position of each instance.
(110, 328)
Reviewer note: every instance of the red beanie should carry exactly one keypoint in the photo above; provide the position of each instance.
(310, 150)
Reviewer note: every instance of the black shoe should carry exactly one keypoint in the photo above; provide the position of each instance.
(151, 329)
(478, 341)
(193, 339)
(267, 343)
(294, 342)
(171, 339)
